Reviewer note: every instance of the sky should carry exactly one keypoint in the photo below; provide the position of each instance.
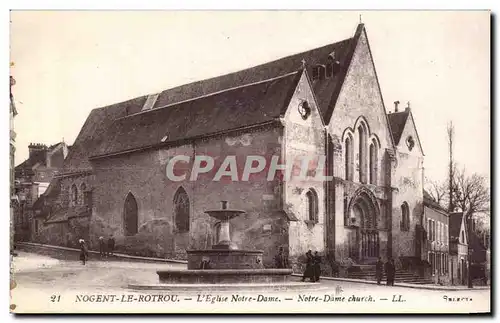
(67, 63)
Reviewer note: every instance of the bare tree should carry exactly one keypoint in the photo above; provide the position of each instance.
(470, 194)
(438, 191)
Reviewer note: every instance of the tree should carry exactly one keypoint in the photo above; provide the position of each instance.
(470, 194)
(438, 191)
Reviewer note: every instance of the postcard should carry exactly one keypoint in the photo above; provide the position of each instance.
(250, 162)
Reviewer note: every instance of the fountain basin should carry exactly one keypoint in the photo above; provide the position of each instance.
(224, 276)
(225, 259)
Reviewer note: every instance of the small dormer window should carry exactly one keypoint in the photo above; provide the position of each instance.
(410, 142)
(304, 109)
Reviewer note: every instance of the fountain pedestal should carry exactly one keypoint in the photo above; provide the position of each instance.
(224, 263)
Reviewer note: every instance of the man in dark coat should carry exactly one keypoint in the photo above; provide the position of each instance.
(316, 266)
(309, 266)
(390, 271)
(111, 245)
(379, 270)
(84, 252)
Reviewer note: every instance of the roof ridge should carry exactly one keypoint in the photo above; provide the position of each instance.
(212, 94)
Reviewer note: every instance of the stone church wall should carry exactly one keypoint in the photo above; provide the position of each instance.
(144, 175)
(304, 139)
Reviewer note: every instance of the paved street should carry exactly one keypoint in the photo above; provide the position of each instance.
(40, 279)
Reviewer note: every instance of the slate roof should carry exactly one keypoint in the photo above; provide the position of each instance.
(101, 134)
(39, 158)
(429, 201)
(326, 90)
(397, 121)
(92, 134)
(231, 109)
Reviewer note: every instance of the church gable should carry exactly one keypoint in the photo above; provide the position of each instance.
(303, 108)
(360, 96)
(408, 141)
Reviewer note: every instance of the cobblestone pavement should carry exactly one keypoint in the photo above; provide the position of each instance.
(39, 279)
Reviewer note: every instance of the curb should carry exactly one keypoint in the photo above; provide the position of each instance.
(115, 255)
(442, 288)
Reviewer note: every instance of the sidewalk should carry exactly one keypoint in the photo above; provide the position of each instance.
(25, 261)
(43, 248)
(416, 286)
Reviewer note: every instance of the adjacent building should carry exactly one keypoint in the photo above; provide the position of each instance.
(14, 202)
(325, 102)
(437, 250)
(32, 178)
(458, 249)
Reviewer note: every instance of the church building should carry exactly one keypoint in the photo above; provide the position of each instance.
(322, 102)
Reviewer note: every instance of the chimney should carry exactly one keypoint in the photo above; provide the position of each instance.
(396, 103)
(37, 152)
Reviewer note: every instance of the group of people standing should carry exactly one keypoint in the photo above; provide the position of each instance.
(105, 248)
(390, 271)
(313, 267)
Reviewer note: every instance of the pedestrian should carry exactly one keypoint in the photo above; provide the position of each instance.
(316, 266)
(308, 273)
(102, 247)
(280, 259)
(111, 245)
(379, 270)
(390, 271)
(84, 253)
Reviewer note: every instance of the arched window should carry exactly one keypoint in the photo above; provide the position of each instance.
(405, 217)
(74, 195)
(349, 152)
(362, 153)
(181, 210)
(130, 216)
(312, 206)
(463, 236)
(373, 162)
(83, 188)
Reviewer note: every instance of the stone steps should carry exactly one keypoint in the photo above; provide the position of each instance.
(401, 277)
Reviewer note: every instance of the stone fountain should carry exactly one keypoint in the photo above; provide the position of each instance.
(224, 263)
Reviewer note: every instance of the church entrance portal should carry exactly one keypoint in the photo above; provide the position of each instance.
(364, 244)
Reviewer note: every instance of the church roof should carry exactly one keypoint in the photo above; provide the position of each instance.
(232, 109)
(397, 122)
(325, 90)
(92, 133)
(107, 131)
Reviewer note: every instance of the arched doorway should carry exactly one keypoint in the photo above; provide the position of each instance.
(364, 243)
